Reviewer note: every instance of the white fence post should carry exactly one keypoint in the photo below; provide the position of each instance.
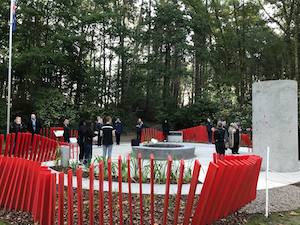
(267, 182)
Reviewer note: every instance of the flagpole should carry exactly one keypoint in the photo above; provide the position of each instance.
(9, 65)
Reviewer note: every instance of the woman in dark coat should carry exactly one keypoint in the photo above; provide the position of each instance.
(118, 130)
(166, 129)
(220, 139)
(80, 140)
(67, 131)
(88, 135)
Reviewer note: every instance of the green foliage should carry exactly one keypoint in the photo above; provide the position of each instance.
(74, 165)
(185, 60)
(53, 109)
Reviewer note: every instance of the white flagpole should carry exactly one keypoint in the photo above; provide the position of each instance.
(9, 65)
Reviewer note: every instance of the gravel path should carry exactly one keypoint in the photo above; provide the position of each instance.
(281, 199)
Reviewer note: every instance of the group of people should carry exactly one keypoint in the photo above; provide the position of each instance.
(105, 130)
(33, 126)
(225, 137)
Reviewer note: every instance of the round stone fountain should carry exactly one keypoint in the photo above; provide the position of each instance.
(161, 150)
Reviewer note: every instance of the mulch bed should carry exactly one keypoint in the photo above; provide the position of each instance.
(21, 218)
(16, 218)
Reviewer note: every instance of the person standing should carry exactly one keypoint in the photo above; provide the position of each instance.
(98, 127)
(17, 126)
(226, 138)
(209, 130)
(118, 130)
(166, 129)
(88, 135)
(139, 128)
(34, 125)
(234, 138)
(220, 139)
(81, 139)
(237, 138)
(108, 132)
(67, 131)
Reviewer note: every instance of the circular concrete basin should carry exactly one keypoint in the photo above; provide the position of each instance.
(161, 150)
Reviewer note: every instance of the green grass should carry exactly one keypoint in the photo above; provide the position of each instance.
(2, 223)
(282, 218)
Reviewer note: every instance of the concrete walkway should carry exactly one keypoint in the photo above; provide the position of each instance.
(203, 153)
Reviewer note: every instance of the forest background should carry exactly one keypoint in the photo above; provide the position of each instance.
(183, 60)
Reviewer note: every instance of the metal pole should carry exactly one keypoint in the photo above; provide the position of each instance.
(267, 182)
(9, 65)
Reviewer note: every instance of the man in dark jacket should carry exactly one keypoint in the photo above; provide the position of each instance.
(220, 139)
(166, 129)
(82, 128)
(139, 127)
(108, 132)
(88, 134)
(118, 129)
(34, 125)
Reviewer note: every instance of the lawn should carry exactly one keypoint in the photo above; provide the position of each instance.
(283, 218)
(2, 223)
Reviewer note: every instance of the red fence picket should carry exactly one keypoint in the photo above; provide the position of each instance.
(192, 191)
(110, 198)
(141, 188)
(152, 189)
(91, 196)
(70, 198)
(101, 197)
(166, 202)
(79, 196)
(61, 199)
(120, 189)
(129, 191)
(178, 196)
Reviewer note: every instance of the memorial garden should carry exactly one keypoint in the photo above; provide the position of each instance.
(149, 112)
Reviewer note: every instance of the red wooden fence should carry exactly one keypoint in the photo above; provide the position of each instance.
(27, 186)
(149, 133)
(26, 146)
(193, 134)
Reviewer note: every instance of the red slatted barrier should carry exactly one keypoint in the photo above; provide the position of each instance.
(16, 176)
(28, 186)
(35, 148)
(149, 133)
(1, 143)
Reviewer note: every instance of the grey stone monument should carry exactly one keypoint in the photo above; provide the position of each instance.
(275, 123)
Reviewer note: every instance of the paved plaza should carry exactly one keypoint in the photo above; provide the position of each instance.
(203, 153)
